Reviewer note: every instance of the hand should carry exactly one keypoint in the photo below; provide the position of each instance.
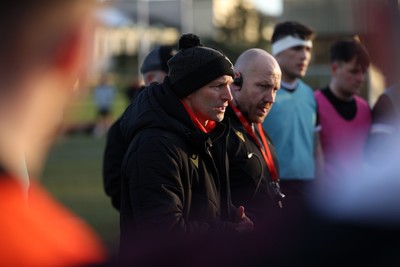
(244, 224)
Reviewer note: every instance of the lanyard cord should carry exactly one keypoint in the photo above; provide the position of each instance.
(266, 153)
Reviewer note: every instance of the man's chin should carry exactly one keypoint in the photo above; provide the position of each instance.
(219, 118)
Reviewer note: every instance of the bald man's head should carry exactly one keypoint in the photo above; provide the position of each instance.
(255, 58)
(260, 79)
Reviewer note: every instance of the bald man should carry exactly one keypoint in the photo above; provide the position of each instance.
(254, 173)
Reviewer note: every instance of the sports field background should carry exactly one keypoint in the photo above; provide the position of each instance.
(73, 173)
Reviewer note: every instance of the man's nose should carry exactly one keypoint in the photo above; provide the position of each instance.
(269, 96)
(226, 93)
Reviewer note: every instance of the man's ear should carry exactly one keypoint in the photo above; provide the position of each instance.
(68, 54)
(72, 56)
(334, 67)
(148, 78)
(237, 81)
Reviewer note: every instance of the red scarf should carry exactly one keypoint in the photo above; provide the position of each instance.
(210, 125)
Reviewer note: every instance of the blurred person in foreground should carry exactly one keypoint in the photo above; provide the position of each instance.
(175, 183)
(253, 169)
(292, 121)
(154, 69)
(344, 117)
(385, 127)
(44, 52)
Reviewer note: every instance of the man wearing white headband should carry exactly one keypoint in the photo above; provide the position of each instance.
(289, 42)
(291, 122)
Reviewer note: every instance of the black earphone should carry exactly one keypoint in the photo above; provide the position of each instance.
(238, 81)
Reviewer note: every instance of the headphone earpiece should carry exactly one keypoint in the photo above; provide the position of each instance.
(238, 81)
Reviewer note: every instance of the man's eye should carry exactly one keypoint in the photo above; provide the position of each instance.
(220, 86)
(265, 86)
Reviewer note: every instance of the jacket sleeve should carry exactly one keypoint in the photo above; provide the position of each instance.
(159, 192)
(114, 152)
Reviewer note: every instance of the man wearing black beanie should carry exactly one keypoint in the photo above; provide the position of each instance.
(196, 65)
(175, 181)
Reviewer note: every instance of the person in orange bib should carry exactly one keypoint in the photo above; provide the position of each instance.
(44, 53)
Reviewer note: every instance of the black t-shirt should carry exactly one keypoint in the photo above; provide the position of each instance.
(346, 109)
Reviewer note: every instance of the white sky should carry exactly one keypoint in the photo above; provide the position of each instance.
(270, 7)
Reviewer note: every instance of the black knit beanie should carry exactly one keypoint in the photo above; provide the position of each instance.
(196, 65)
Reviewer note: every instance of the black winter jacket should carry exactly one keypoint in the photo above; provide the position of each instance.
(114, 152)
(174, 176)
(248, 170)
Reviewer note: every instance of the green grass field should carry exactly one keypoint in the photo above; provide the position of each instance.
(73, 176)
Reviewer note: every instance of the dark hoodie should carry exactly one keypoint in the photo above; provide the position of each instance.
(174, 176)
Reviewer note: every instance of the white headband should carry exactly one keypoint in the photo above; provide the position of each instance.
(288, 42)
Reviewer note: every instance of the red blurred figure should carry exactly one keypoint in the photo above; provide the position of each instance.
(44, 52)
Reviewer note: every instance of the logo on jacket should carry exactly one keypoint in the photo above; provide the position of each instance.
(240, 135)
(195, 159)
